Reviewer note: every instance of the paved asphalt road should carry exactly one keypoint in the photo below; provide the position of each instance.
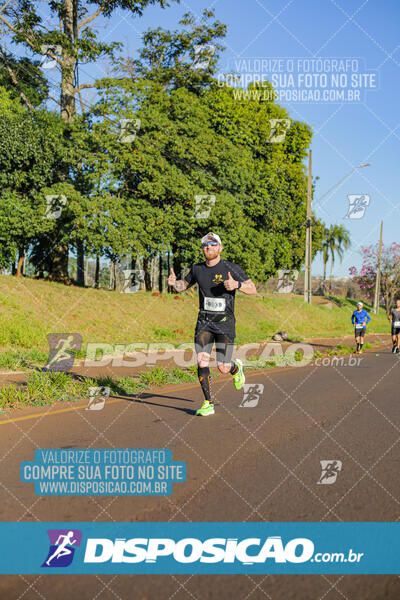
(243, 464)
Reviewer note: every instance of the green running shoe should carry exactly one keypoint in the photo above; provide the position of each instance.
(239, 378)
(206, 409)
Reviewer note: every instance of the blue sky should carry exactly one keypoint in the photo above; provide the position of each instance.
(346, 134)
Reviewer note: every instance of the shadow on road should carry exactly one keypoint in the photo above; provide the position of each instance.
(145, 397)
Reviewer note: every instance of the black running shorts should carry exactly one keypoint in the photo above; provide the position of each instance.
(359, 332)
(204, 339)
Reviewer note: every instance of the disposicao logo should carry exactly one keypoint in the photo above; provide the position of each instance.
(62, 547)
(191, 550)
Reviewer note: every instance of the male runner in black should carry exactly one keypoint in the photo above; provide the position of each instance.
(394, 317)
(218, 281)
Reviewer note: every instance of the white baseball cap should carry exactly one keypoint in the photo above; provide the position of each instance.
(360, 304)
(211, 237)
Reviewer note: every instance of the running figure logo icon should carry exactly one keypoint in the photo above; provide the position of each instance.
(286, 281)
(61, 347)
(330, 470)
(357, 206)
(63, 543)
(251, 394)
(279, 128)
(97, 397)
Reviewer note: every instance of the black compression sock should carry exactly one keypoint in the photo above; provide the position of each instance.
(357, 346)
(205, 382)
(234, 369)
(361, 345)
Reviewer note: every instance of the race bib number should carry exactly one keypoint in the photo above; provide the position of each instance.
(396, 323)
(359, 325)
(214, 304)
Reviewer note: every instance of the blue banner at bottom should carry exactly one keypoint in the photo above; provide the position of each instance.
(199, 548)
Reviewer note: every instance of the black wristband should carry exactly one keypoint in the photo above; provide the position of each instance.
(239, 285)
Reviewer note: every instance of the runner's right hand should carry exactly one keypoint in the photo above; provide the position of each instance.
(172, 278)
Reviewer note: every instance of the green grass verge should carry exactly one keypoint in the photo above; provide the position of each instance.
(45, 388)
(31, 309)
(15, 360)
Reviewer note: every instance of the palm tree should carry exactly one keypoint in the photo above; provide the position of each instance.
(336, 241)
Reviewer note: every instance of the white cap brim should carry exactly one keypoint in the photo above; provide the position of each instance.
(211, 237)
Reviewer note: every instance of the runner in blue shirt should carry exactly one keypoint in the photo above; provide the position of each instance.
(360, 318)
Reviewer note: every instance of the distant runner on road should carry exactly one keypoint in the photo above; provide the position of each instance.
(218, 281)
(360, 318)
(394, 318)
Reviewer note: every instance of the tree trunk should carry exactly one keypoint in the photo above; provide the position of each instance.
(134, 279)
(176, 262)
(87, 271)
(70, 24)
(330, 277)
(160, 274)
(324, 280)
(115, 275)
(59, 270)
(168, 271)
(20, 264)
(97, 273)
(147, 276)
(154, 271)
(80, 265)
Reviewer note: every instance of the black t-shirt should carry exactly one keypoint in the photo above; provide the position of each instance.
(395, 315)
(214, 299)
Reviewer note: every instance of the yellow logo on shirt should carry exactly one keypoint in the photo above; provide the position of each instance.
(217, 279)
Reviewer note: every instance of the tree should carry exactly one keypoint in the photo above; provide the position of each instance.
(33, 153)
(191, 144)
(69, 39)
(186, 57)
(336, 240)
(390, 273)
(135, 192)
(23, 79)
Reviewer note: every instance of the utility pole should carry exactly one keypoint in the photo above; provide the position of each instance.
(378, 275)
(307, 270)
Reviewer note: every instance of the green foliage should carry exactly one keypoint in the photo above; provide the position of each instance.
(21, 359)
(32, 155)
(335, 240)
(8, 104)
(42, 389)
(30, 79)
(193, 144)
(138, 198)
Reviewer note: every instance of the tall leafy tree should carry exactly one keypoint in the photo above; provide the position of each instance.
(206, 142)
(24, 79)
(33, 154)
(69, 38)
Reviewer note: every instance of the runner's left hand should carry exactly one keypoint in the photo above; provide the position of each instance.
(230, 283)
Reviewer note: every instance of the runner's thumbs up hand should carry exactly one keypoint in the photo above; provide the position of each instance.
(230, 283)
(172, 278)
